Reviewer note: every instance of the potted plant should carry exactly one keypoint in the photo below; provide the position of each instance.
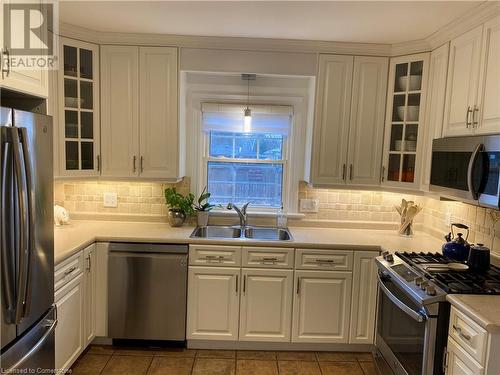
(203, 207)
(180, 206)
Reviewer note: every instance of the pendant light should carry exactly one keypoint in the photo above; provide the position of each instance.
(247, 119)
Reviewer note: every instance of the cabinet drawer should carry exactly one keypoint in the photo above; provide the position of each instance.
(308, 259)
(68, 270)
(267, 257)
(208, 255)
(469, 335)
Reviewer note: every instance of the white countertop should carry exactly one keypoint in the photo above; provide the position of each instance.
(71, 238)
(484, 310)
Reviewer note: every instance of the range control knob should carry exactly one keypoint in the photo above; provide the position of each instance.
(423, 285)
(418, 280)
(430, 290)
(389, 258)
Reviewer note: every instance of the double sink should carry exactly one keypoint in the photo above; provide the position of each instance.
(248, 233)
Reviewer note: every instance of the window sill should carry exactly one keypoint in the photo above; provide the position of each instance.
(230, 213)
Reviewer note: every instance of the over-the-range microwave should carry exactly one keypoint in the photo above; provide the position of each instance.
(467, 169)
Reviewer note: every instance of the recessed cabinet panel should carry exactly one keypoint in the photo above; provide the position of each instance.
(331, 130)
(266, 305)
(120, 111)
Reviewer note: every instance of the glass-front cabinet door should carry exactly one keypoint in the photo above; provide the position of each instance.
(79, 108)
(405, 121)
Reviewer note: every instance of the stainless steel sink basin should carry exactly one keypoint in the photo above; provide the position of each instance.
(250, 233)
(215, 231)
(270, 234)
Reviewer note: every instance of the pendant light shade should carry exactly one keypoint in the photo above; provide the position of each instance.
(247, 119)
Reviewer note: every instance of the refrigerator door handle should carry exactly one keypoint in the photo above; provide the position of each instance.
(7, 235)
(31, 218)
(23, 227)
(51, 324)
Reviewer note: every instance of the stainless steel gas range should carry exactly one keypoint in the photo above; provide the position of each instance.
(413, 314)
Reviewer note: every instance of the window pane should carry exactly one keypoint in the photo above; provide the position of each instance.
(85, 63)
(221, 144)
(245, 146)
(260, 184)
(271, 147)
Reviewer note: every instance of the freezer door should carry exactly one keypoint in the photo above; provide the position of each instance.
(34, 350)
(35, 134)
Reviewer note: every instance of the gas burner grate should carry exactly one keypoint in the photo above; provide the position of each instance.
(423, 258)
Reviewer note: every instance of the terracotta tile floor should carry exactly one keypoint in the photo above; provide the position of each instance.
(109, 360)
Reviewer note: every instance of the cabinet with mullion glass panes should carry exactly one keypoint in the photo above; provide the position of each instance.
(79, 108)
(404, 121)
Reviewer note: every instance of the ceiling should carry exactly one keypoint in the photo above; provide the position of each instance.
(344, 21)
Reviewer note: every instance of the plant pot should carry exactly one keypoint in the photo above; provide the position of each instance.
(176, 217)
(202, 218)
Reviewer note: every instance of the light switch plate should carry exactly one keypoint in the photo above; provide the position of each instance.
(309, 205)
(110, 200)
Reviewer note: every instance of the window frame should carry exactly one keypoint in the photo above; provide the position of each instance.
(283, 161)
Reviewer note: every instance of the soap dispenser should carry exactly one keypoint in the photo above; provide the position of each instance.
(281, 219)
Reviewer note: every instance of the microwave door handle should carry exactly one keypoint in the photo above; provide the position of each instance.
(7, 233)
(470, 171)
(402, 306)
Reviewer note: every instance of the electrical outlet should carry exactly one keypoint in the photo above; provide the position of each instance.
(110, 200)
(309, 205)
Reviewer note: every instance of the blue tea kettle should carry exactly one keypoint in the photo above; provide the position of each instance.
(457, 247)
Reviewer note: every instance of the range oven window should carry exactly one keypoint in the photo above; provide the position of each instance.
(402, 334)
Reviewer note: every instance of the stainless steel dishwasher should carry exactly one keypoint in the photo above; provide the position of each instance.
(147, 291)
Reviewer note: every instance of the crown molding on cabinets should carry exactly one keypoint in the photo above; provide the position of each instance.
(480, 14)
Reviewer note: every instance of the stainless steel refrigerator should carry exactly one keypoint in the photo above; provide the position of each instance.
(28, 315)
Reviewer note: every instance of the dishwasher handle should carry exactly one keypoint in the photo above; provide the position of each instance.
(157, 248)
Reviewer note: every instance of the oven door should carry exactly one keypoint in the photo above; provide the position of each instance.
(406, 336)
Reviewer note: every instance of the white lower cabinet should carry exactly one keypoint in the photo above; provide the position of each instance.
(459, 362)
(266, 305)
(75, 284)
(322, 306)
(213, 303)
(69, 330)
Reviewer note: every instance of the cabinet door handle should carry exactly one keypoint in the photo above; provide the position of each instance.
(383, 174)
(467, 117)
(298, 285)
(269, 260)
(142, 164)
(244, 283)
(343, 172)
(475, 122)
(71, 269)
(237, 280)
(89, 263)
(350, 172)
(98, 163)
(460, 333)
(134, 159)
(445, 360)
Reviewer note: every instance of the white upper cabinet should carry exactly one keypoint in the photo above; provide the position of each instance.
(348, 127)
(331, 124)
(489, 93)
(463, 81)
(404, 127)
(266, 305)
(434, 113)
(140, 132)
(78, 104)
(367, 120)
(33, 81)
(120, 111)
(159, 133)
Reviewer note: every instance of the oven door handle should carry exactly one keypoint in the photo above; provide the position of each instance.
(407, 310)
